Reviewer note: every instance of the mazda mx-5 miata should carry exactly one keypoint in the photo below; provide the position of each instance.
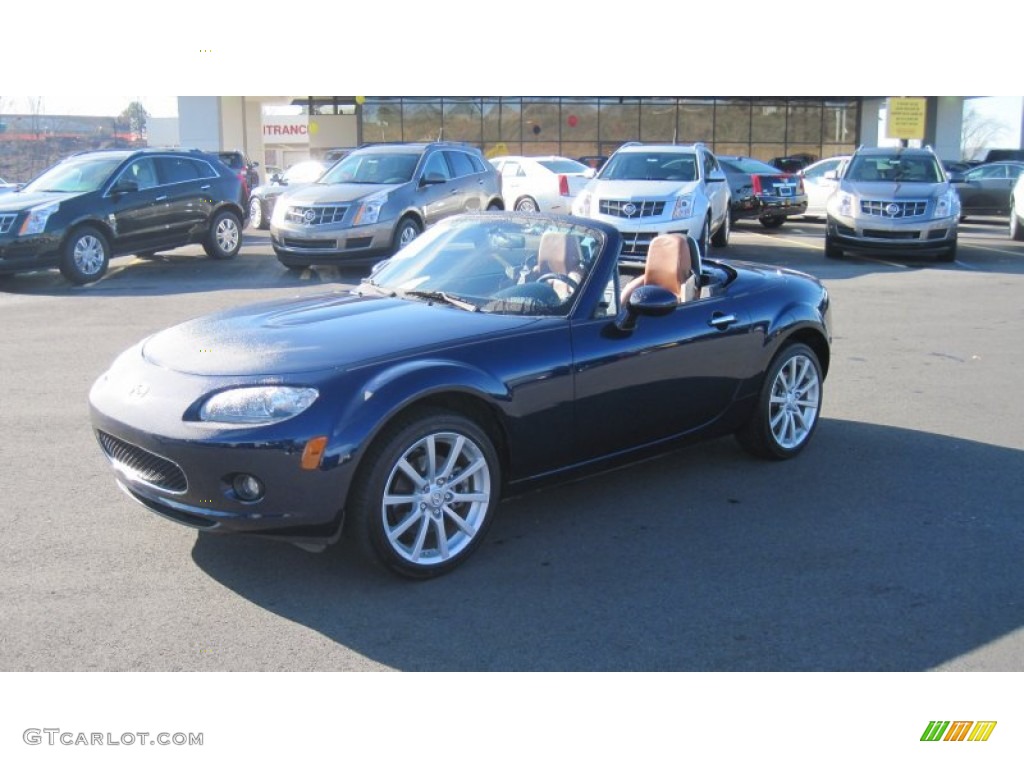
(495, 352)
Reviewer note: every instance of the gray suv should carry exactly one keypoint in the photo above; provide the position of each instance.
(893, 199)
(378, 199)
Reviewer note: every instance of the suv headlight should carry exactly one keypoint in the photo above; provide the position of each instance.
(581, 205)
(945, 204)
(683, 208)
(257, 405)
(280, 211)
(369, 209)
(37, 217)
(845, 204)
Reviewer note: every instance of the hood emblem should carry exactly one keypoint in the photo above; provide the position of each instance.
(892, 209)
(309, 215)
(629, 209)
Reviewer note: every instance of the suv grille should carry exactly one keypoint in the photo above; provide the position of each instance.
(148, 467)
(631, 209)
(893, 210)
(635, 244)
(316, 215)
(6, 222)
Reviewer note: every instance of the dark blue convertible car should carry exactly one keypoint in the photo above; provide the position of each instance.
(495, 352)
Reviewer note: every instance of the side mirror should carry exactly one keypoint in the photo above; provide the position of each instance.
(648, 301)
(125, 185)
(432, 178)
(716, 177)
(957, 178)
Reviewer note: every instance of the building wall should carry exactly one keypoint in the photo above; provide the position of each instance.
(199, 121)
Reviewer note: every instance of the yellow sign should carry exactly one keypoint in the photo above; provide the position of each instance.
(497, 150)
(905, 118)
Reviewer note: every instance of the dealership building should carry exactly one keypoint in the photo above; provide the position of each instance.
(573, 126)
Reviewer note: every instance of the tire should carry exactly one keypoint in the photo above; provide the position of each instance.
(832, 251)
(788, 405)
(721, 238)
(408, 516)
(526, 205)
(86, 256)
(408, 229)
(948, 255)
(1016, 225)
(495, 206)
(257, 220)
(225, 236)
(772, 222)
(704, 241)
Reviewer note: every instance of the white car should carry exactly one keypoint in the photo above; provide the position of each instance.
(546, 184)
(1017, 210)
(646, 190)
(820, 183)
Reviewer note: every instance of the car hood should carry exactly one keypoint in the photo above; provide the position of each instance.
(632, 189)
(334, 193)
(888, 190)
(317, 333)
(19, 201)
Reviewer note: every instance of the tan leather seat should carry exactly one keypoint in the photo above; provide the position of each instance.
(560, 253)
(668, 265)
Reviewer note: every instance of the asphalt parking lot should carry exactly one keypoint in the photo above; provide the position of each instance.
(892, 543)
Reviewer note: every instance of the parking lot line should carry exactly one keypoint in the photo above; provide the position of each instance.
(995, 250)
(788, 240)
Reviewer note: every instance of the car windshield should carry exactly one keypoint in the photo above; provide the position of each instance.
(563, 165)
(894, 168)
(77, 174)
(502, 264)
(747, 165)
(373, 168)
(650, 166)
(310, 170)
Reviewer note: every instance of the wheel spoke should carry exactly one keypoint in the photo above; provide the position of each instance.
(777, 419)
(468, 471)
(411, 472)
(421, 537)
(458, 497)
(392, 500)
(431, 457)
(442, 538)
(464, 526)
(405, 525)
(453, 456)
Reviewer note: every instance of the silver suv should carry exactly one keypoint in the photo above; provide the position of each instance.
(646, 190)
(893, 199)
(378, 199)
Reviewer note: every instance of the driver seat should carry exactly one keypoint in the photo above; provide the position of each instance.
(669, 265)
(560, 253)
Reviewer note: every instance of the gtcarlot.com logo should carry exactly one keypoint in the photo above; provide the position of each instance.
(958, 730)
(56, 736)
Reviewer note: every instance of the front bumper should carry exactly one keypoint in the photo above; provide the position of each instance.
(916, 235)
(327, 245)
(24, 254)
(756, 206)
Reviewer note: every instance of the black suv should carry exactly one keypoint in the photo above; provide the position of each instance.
(95, 205)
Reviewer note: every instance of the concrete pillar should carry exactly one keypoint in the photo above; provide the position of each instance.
(199, 122)
(943, 129)
(870, 108)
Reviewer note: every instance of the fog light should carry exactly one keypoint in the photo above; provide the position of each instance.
(247, 487)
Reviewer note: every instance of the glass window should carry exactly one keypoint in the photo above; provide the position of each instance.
(619, 120)
(658, 120)
(142, 171)
(732, 120)
(421, 119)
(839, 124)
(747, 165)
(820, 169)
(579, 120)
(987, 172)
(512, 168)
(696, 121)
(78, 174)
(768, 121)
(382, 120)
(511, 122)
(491, 110)
(177, 169)
(461, 166)
(477, 163)
(803, 124)
(541, 120)
(651, 166)
(436, 166)
(563, 166)
(462, 120)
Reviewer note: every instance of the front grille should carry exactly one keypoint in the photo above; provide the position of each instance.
(902, 209)
(316, 215)
(885, 234)
(6, 222)
(298, 242)
(141, 464)
(631, 209)
(636, 243)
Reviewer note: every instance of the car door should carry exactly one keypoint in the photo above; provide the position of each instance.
(819, 188)
(513, 182)
(717, 191)
(669, 376)
(138, 206)
(468, 181)
(985, 190)
(439, 195)
(187, 184)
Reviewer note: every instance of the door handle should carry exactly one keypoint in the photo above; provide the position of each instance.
(720, 321)
(161, 198)
(205, 186)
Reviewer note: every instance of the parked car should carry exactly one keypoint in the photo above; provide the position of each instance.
(95, 205)
(893, 199)
(263, 198)
(333, 155)
(399, 413)
(952, 167)
(763, 192)
(272, 171)
(1017, 210)
(593, 161)
(985, 190)
(5, 187)
(820, 181)
(247, 170)
(649, 189)
(378, 199)
(792, 163)
(999, 155)
(545, 184)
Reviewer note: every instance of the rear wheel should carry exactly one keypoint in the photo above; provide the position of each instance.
(427, 495)
(787, 407)
(225, 236)
(772, 222)
(721, 237)
(86, 256)
(527, 205)
(256, 218)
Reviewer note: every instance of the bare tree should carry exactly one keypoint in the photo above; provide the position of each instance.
(979, 132)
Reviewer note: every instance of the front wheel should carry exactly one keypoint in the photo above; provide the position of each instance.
(721, 237)
(787, 407)
(427, 495)
(527, 205)
(949, 254)
(1016, 225)
(86, 256)
(832, 251)
(225, 236)
(408, 229)
(256, 218)
(772, 222)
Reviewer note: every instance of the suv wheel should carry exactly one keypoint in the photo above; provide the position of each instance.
(721, 237)
(408, 229)
(832, 251)
(949, 254)
(86, 256)
(225, 236)
(256, 218)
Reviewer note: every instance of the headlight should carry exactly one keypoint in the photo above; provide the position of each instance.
(945, 204)
(369, 210)
(257, 405)
(581, 205)
(845, 205)
(280, 210)
(37, 217)
(683, 208)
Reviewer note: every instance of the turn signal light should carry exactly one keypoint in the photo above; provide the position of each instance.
(563, 185)
(314, 452)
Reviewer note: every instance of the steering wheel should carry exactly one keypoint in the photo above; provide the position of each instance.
(559, 277)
